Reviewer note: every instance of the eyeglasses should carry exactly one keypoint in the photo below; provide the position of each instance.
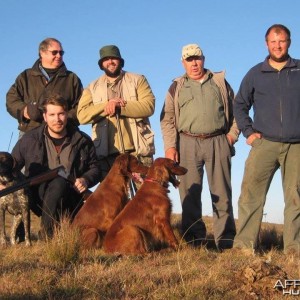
(55, 52)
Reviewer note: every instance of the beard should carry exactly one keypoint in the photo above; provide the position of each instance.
(61, 130)
(279, 59)
(113, 74)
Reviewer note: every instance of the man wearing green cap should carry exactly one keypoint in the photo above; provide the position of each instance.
(118, 105)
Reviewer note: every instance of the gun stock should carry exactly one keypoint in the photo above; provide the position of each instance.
(38, 179)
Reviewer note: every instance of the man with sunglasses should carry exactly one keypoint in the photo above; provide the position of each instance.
(48, 75)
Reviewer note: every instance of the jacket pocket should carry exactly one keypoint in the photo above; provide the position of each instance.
(100, 138)
(185, 96)
(145, 138)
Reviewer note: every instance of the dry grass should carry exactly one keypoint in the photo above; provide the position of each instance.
(59, 269)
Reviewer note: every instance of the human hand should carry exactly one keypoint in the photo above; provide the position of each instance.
(253, 137)
(2, 186)
(33, 112)
(25, 113)
(172, 153)
(114, 104)
(80, 185)
(230, 139)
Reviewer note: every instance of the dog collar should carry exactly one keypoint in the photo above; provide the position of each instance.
(164, 184)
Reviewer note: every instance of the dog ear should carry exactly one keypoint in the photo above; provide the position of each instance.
(160, 174)
(15, 168)
(124, 165)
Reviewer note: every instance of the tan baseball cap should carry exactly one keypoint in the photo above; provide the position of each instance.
(191, 50)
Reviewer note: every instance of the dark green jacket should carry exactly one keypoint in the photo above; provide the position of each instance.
(31, 88)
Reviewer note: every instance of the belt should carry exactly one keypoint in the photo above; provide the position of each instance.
(204, 135)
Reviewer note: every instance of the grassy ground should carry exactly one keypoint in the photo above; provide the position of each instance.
(60, 269)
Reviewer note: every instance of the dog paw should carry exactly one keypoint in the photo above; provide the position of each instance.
(174, 246)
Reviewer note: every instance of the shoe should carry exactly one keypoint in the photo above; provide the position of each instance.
(196, 243)
(221, 247)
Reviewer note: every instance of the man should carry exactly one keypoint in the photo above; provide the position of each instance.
(48, 75)
(49, 146)
(199, 130)
(118, 105)
(272, 88)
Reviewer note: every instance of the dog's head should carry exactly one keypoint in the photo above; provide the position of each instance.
(128, 164)
(165, 170)
(7, 164)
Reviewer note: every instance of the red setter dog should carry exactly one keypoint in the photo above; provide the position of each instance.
(146, 218)
(104, 204)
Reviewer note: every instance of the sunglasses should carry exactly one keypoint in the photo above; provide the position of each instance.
(55, 52)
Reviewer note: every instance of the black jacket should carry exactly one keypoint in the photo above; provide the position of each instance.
(30, 151)
(31, 88)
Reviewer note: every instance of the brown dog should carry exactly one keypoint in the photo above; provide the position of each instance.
(146, 217)
(16, 203)
(104, 204)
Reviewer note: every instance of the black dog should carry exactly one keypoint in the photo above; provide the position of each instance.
(16, 203)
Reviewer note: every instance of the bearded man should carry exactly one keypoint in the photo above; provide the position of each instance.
(56, 143)
(118, 105)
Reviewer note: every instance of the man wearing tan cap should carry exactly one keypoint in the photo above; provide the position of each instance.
(199, 131)
(118, 105)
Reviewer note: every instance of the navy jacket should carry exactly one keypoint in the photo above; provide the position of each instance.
(275, 98)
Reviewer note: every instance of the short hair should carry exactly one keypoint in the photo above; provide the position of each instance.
(44, 45)
(55, 99)
(278, 28)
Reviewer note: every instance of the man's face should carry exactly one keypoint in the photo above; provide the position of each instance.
(194, 67)
(112, 66)
(52, 58)
(56, 119)
(278, 45)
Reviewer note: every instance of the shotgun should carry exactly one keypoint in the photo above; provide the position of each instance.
(131, 188)
(38, 179)
(62, 172)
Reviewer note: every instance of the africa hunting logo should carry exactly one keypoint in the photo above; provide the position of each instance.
(288, 286)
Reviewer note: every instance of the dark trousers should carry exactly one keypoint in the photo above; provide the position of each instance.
(57, 198)
(50, 201)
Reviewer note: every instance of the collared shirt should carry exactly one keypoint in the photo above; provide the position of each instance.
(201, 106)
(58, 156)
(114, 89)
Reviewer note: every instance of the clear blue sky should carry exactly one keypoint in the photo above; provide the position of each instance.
(150, 35)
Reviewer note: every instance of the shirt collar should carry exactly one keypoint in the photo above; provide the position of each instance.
(267, 68)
